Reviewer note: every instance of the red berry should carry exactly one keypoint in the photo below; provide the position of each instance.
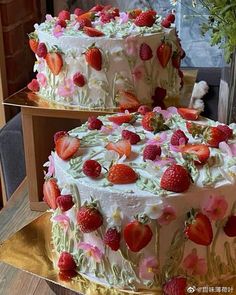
(151, 151)
(175, 179)
(58, 135)
(64, 15)
(121, 174)
(227, 130)
(213, 136)
(92, 32)
(189, 114)
(66, 262)
(65, 202)
(230, 226)
(51, 192)
(145, 19)
(92, 168)
(93, 57)
(94, 123)
(62, 23)
(112, 238)
(131, 136)
(97, 8)
(178, 138)
(145, 52)
(42, 50)
(34, 85)
(170, 17)
(165, 23)
(85, 22)
(164, 52)
(143, 109)
(79, 79)
(78, 11)
(66, 146)
(89, 218)
(175, 286)
(201, 151)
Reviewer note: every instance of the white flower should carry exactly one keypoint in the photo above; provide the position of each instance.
(230, 175)
(115, 218)
(154, 211)
(111, 156)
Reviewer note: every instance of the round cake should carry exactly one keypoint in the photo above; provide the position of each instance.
(145, 201)
(105, 58)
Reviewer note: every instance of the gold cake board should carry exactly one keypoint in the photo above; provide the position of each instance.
(30, 250)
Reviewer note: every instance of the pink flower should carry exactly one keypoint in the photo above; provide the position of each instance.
(67, 88)
(108, 129)
(41, 64)
(159, 139)
(131, 46)
(124, 17)
(148, 268)
(51, 167)
(91, 251)
(48, 17)
(42, 79)
(166, 113)
(164, 161)
(138, 72)
(215, 207)
(168, 215)
(194, 265)
(57, 31)
(63, 220)
(230, 149)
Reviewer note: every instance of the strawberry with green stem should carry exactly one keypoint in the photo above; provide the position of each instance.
(153, 121)
(121, 174)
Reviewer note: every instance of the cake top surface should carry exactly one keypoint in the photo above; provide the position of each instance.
(207, 154)
(106, 22)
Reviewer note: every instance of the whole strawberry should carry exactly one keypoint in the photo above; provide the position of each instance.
(170, 17)
(94, 123)
(154, 122)
(121, 174)
(178, 138)
(34, 85)
(64, 15)
(151, 152)
(42, 50)
(92, 168)
(175, 286)
(212, 136)
(145, 52)
(112, 238)
(65, 202)
(78, 11)
(165, 23)
(66, 262)
(131, 136)
(89, 218)
(175, 179)
(143, 109)
(79, 79)
(227, 130)
(93, 57)
(145, 19)
(61, 23)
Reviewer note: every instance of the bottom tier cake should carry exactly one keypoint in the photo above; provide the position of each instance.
(145, 201)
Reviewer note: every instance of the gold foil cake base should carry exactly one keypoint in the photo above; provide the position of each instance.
(30, 250)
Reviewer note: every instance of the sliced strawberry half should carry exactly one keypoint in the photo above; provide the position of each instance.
(92, 32)
(51, 192)
(189, 114)
(121, 119)
(122, 147)
(67, 146)
(202, 152)
(127, 101)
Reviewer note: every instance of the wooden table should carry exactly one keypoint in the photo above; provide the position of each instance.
(13, 217)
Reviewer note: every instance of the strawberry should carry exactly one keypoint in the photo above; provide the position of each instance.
(64, 15)
(151, 152)
(198, 228)
(145, 19)
(92, 32)
(67, 275)
(122, 147)
(212, 136)
(201, 151)
(145, 52)
(195, 129)
(131, 136)
(154, 122)
(42, 50)
(97, 8)
(127, 101)
(79, 79)
(178, 138)
(189, 114)
(66, 262)
(121, 174)
(89, 218)
(34, 85)
(137, 235)
(170, 17)
(67, 146)
(112, 238)
(176, 60)
(164, 52)
(93, 57)
(92, 168)
(175, 286)
(165, 23)
(78, 11)
(65, 202)
(54, 62)
(230, 226)
(143, 109)
(121, 119)
(58, 135)
(89, 15)
(132, 14)
(85, 22)
(175, 179)
(61, 23)
(33, 43)
(51, 192)
(94, 123)
(227, 130)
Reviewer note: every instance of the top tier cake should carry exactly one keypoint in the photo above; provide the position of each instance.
(104, 58)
